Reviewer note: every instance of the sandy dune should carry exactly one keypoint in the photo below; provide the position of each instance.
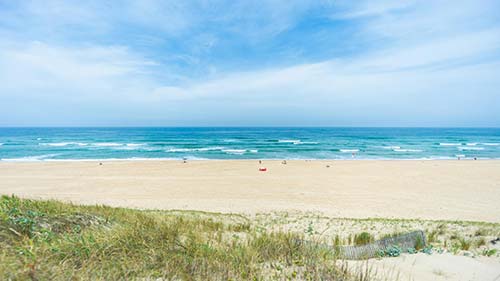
(435, 267)
(456, 190)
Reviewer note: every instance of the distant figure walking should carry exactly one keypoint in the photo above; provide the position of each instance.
(283, 162)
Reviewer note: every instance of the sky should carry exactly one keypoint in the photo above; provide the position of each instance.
(250, 63)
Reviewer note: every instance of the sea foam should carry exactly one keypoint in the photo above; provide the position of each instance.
(135, 144)
(349, 150)
(407, 150)
(30, 158)
(194, 149)
(106, 144)
(391, 147)
(63, 144)
(470, 148)
(235, 151)
(290, 141)
(56, 144)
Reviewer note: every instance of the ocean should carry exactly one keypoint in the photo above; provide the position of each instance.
(59, 144)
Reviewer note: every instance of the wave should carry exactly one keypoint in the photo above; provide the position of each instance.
(290, 141)
(391, 147)
(235, 151)
(349, 150)
(407, 150)
(135, 144)
(210, 148)
(461, 148)
(194, 149)
(30, 158)
(46, 158)
(178, 150)
(491, 143)
(1, 143)
(240, 151)
(450, 144)
(63, 144)
(132, 146)
(471, 144)
(106, 144)
(194, 158)
(113, 159)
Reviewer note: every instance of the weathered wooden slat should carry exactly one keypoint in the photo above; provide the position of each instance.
(403, 241)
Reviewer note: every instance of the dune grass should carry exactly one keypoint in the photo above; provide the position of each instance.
(50, 240)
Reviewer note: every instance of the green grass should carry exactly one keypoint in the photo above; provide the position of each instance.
(465, 244)
(363, 238)
(50, 240)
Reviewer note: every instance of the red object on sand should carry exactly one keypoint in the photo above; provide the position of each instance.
(262, 169)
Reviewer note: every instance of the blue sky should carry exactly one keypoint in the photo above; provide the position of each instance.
(250, 63)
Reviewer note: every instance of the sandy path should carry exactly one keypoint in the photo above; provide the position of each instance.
(462, 190)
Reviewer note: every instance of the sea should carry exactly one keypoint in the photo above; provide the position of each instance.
(212, 143)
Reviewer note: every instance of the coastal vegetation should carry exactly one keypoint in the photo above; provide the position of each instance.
(51, 240)
(47, 240)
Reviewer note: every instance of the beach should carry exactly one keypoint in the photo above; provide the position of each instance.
(319, 198)
(437, 190)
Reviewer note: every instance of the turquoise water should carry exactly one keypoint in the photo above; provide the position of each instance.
(46, 144)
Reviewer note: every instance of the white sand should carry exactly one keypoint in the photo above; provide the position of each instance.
(456, 190)
(435, 267)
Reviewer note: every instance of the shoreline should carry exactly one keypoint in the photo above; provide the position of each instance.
(399, 189)
(21, 160)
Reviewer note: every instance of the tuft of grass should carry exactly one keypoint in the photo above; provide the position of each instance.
(481, 232)
(363, 238)
(432, 235)
(50, 240)
(419, 244)
(480, 242)
(465, 244)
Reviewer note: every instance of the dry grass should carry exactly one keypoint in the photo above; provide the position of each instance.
(458, 237)
(49, 240)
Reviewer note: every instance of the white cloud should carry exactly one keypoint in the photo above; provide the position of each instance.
(366, 8)
(425, 63)
(41, 65)
(53, 84)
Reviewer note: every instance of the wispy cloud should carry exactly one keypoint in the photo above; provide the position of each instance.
(241, 63)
